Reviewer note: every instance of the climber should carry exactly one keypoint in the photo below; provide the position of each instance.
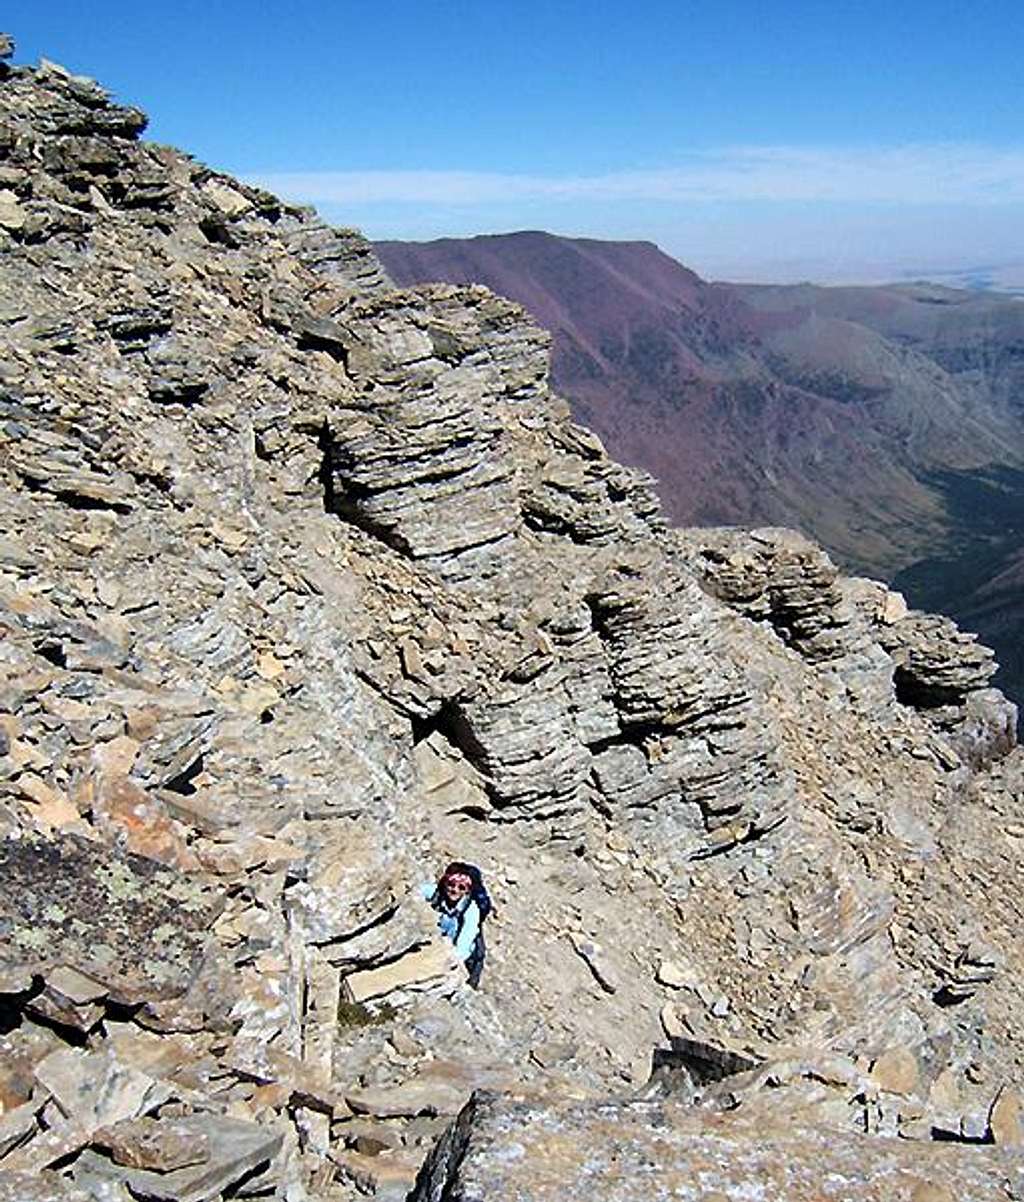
(462, 903)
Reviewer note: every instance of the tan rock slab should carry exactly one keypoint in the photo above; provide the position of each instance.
(16, 1125)
(246, 853)
(15, 978)
(269, 666)
(108, 591)
(368, 1137)
(553, 1052)
(945, 1100)
(257, 698)
(1005, 1120)
(48, 1147)
(66, 708)
(440, 1087)
(915, 1127)
(675, 974)
(315, 1129)
(893, 609)
(170, 1057)
(20, 1051)
(116, 756)
(230, 202)
(201, 810)
(323, 994)
(593, 955)
(49, 808)
(23, 754)
(12, 215)
(435, 765)
(236, 1148)
(931, 1191)
(388, 1173)
(404, 1044)
(897, 1071)
(399, 1101)
(75, 985)
(96, 1089)
(86, 541)
(273, 1096)
(672, 1022)
(251, 1058)
(432, 966)
(162, 1145)
(54, 1006)
(123, 806)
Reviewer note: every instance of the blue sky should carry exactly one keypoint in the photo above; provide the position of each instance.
(777, 140)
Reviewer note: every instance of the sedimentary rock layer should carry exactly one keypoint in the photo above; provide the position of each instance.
(308, 585)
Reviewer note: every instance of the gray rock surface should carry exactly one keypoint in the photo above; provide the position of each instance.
(307, 586)
(626, 1151)
(129, 926)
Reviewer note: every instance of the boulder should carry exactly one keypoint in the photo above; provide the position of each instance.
(623, 1150)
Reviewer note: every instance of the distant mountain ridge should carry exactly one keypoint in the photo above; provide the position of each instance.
(854, 413)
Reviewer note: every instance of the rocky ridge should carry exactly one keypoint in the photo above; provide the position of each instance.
(308, 583)
(884, 421)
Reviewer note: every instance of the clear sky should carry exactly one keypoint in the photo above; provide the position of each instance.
(783, 139)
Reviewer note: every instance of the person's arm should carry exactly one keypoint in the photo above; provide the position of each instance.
(469, 932)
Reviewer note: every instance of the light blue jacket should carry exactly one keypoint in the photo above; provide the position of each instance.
(465, 912)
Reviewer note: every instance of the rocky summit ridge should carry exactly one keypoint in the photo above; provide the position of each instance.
(883, 421)
(308, 584)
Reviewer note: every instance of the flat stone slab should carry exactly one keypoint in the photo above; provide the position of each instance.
(158, 1145)
(16, 1125)
(132, 925)
(639, 1151)
(96, 1089)
(433, 966)
(234, 1148)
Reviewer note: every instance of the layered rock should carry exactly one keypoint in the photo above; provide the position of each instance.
(307, 585)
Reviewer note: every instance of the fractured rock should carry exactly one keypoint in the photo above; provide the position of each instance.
(503, 1148)
(308, 584)
(897, 1071)
(94, 1089)
(151, 1144)
(1005, 1119)
(235, 1148)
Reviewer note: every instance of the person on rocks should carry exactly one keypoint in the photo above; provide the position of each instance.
(462, 903)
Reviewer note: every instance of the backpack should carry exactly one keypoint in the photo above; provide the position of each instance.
(478, 894)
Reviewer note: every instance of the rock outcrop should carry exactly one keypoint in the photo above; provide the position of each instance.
(626, 1151)
(308, 584)
(882, 420)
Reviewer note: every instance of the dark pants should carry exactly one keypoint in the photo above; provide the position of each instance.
(475, 963)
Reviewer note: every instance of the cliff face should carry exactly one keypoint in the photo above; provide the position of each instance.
(883, 421)
(308, 584)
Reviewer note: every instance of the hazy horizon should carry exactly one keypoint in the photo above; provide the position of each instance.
(1006, 276)
(799, 142)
